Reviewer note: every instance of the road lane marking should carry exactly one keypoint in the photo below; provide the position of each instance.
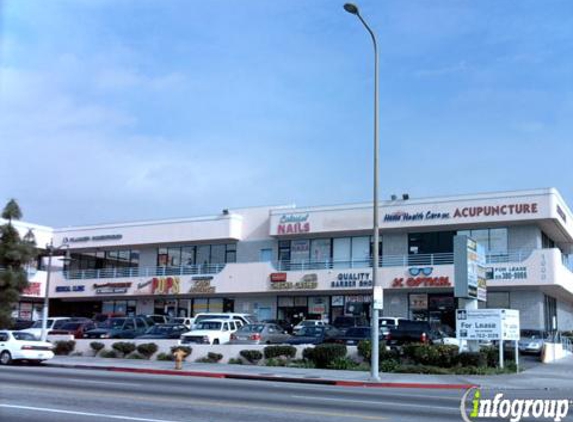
(71, 412)
(107, 382)
(209, 403)
(380, 402)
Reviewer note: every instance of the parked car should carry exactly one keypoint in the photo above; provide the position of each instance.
(308, 323)
(99, 319)
(157, 319)
(285, 325)
(123, 327)
(53, 323)
(263, 333)
(352, 336)
(17, 345)
(411, 332)
(21, 324)
(164, 331)
(75, 328)
(343, 323)
(243, 318)
(187, 322)
(531, 341)
(387, 323)
(313, 335)
(211, 331)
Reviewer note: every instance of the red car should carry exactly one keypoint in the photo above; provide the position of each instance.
(75, 328)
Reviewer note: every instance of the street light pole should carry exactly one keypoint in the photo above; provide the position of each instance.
(374, 373)
(45, 310)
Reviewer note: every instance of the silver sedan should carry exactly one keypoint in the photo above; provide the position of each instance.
(263, 333)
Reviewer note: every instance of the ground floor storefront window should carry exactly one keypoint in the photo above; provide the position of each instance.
(28, 311)
(192, 306)
(436, 308)
(298, 308)
(119, 307)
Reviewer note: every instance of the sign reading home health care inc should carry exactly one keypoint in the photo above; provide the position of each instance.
(415, 214)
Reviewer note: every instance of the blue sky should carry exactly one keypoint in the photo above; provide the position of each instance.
(130, 110)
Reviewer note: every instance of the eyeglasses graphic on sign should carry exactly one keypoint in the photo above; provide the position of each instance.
(414, 271)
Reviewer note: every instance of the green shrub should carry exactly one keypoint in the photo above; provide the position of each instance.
(308, 354)
(108, 354)
(252, 356)
(210, 358)
(365, 351)
(278, 351)
(235, 361)
(214, 357)
(342, 363)
(64, 347)
(147, 349)
(420, 354)
(276, 362)
(96, 346)
(447, 355)
(389, 365)
(123, 347)
(186, 349)
(301, 363)
(422, 369)
(164, 356)
(491, 355)
(476, 359)
(135, 355)
(325, 354)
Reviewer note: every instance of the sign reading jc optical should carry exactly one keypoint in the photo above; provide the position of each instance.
(421, 277)
(487, 324)
(293, 224)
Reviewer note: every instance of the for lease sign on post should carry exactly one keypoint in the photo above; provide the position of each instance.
(487, 324)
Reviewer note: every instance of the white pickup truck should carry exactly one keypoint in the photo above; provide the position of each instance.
(211, 331)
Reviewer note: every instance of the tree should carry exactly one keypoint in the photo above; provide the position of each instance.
(15, 253)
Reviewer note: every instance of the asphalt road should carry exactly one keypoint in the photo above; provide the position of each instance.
(62, 395)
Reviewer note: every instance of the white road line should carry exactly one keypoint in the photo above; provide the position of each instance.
(96, 415)
(373, 392)
(106, 382)
(380, 402)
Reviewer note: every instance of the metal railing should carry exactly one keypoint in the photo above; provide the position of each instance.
(299, 265)
(198, 269)
(396, 261)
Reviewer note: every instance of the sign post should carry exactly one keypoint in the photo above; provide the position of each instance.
(469, 276)
(490, 325)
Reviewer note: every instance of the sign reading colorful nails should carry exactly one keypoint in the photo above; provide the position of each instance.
(293, 224)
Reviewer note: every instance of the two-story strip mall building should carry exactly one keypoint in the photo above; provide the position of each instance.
(291, 263)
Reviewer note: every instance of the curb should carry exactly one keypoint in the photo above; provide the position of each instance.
(271, 378)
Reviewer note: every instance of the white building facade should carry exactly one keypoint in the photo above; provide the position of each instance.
(292, 263)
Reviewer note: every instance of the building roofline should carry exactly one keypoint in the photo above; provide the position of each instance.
(431, 200)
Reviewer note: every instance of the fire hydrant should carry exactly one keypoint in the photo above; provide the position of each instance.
(179, 356)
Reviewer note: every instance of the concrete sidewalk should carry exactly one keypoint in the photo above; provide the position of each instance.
(550, 376)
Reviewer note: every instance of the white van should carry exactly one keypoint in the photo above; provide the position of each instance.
(53, 323)
(244, 318)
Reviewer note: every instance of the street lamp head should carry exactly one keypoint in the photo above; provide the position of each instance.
(351, 8)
